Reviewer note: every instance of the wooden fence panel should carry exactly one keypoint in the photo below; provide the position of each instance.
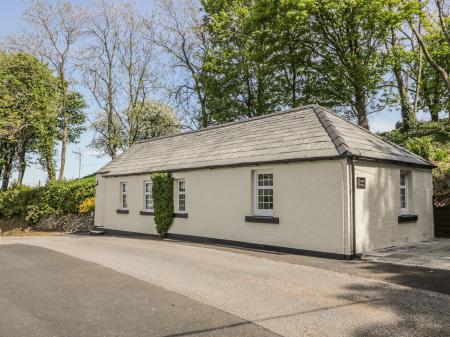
(442, 221)
(442, 215)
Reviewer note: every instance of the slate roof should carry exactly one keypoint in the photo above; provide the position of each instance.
(305, 133)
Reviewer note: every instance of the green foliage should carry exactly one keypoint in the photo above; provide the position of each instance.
(430, 140)
(36, 212)
(75, 117)
(28, 109)
(163, 201)
(421, 146)
(53, 198)
(88, 205)
(152, 119)
(441, 155)
(269, 54)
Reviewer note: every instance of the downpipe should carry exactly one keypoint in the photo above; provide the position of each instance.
(353, 161)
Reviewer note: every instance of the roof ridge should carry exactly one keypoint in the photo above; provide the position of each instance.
(219, 126)
(337, 139)
(377, 136)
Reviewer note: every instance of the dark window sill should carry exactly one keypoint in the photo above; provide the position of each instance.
(122, 211)
(147, 213)
(408, 218)
(262, 219)
(180, 215)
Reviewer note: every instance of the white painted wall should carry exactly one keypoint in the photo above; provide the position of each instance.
(310, 200)
(378, 206)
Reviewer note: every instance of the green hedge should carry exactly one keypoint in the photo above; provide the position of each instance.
(163, 202)
(33, 203)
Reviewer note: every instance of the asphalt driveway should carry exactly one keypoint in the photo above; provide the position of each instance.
(290, 299)
(46, 293)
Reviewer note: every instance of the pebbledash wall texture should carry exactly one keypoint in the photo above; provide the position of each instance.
(308, 162)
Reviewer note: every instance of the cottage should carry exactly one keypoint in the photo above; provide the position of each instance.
(304, 180)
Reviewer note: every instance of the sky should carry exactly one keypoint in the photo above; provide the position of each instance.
(11, 20)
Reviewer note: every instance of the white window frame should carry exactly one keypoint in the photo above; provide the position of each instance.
(148, 193)
(256, 188)
(181, 193)
(123, 193)
(404, 210)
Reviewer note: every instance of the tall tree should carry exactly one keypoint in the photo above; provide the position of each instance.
(28, 107)
(437, 25)
(183, 37)
(100, 62)
(348, 40)
(52, 33)
(117, 68)
(405, 60)
(238, 63)
(74, 117)
(138, 62)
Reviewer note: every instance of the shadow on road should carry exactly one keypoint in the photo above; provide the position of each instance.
(425, 316)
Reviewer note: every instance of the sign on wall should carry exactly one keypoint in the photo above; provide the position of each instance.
(360, 183)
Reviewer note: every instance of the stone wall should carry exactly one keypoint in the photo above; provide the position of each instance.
(69, 223)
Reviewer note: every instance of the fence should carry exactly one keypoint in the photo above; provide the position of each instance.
(442, 215)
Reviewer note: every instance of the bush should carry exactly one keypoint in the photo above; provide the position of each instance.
(88, 205)
(36, 212)
(422, 146)
(33, 203)
(163, 201)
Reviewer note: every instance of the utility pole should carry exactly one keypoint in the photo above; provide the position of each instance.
(79, 162)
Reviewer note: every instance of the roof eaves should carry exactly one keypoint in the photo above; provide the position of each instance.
(379, 137)
(337, 139)
(107, 174)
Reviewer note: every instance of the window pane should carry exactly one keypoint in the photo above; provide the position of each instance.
(148, 187)
(402, 179)
(265, 179)
(124, 201)
(265, 198)
(181, 202)
(181, 186)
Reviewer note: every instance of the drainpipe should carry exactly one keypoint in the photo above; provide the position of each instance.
(353, 161)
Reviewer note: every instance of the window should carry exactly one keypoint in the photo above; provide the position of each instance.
(123, 195)
(181, 196)
(148, 196)
(403, 193)
(263, 194)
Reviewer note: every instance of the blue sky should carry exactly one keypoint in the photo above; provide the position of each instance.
(10, 21)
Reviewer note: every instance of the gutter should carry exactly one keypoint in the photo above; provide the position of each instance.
(353, 160)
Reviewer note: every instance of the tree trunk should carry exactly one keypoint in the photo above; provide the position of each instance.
(63, 149)
(22, 163)
(7, 168)
(430, 60)
(360, 108)
(434, 116)
(65, 124)
(434, 112)
(204, 122)
(408, 119)
(50, 166)
(418, 83)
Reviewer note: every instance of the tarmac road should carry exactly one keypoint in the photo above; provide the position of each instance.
(230, 289)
